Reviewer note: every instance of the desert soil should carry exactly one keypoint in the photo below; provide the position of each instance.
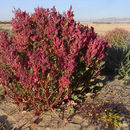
(12, 118)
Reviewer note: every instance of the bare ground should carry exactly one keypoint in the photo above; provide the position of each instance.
(13, 119)
(102, 28)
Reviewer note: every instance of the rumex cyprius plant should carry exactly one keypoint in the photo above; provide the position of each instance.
(48, 52)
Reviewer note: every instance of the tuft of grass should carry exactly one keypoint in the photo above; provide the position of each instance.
(106, 114)
(2, 95)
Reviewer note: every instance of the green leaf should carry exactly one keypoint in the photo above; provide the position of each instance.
(58, 110)
(73, 77)
(30, 70)
(80, 95)
(74, 97)
(80, 88)
(34, 45)
(66, 24)
(92, 87)
(48, 77)
(81, 73)
(86, 68)
(91, 80)
(100, 84)
(102, 63)
(71, 110)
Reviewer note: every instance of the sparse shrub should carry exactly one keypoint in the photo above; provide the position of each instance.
(117, 60)
(117, 36)
(111, 119)
(113, 60)
(105, 114)
(124, 70)
(48, 58)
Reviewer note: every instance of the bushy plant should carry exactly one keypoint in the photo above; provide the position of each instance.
(106, 114)
(117, 36)
(117, 60)
(113, 60)
(48, 58)
(124, 70)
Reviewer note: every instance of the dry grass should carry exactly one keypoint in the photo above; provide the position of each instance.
(101, 28)
(5, 26)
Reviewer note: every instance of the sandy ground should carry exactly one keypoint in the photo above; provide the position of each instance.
(11, 117)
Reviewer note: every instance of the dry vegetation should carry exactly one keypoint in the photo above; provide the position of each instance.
(5, 26)
(101, 28)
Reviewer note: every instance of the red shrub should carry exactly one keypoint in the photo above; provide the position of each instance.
(41, 62)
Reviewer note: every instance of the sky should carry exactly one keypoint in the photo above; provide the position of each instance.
(83, 9)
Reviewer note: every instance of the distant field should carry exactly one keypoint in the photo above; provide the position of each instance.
(5, 26)
(100, 28)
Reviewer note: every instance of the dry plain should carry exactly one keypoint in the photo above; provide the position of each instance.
(100, 28)
(5, 26)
